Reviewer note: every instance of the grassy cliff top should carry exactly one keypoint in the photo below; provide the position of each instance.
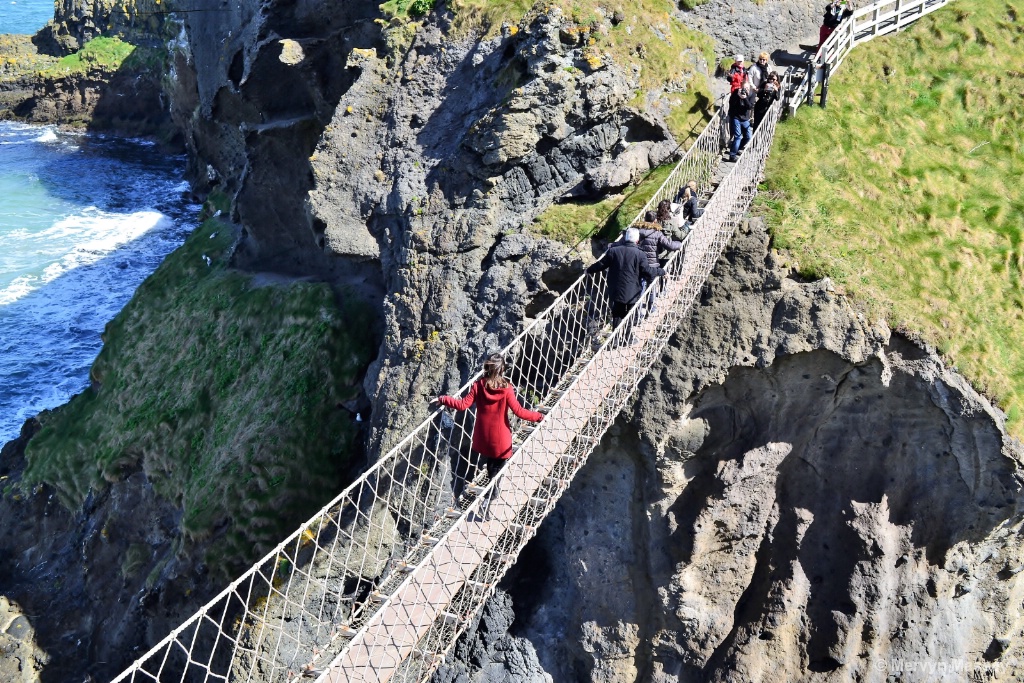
(104, 53)
(223, 388)
(908, 190)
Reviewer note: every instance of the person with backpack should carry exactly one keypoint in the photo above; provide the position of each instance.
(770, 92)
(740, 108)
(737, 74)
(493, 396)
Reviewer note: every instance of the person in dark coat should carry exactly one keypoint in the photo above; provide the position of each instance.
(691, 206)
(769, 94)
(493, 396)
(835, 12)
(740, 108)
(627, 266)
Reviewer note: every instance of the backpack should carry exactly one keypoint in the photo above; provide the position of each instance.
(737, 77)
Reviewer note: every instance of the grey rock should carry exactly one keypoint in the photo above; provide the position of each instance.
(796, 494)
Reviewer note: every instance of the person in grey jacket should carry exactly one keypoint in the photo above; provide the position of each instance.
(653, 240)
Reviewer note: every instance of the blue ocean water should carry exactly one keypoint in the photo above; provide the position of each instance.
(83, 220)
(24, 16)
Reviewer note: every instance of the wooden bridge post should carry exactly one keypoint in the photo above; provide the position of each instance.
(826, 72)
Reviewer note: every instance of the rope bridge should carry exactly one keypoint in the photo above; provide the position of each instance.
(380, 583)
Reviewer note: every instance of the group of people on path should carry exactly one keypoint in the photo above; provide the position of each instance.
(752, 91)
(632, 263)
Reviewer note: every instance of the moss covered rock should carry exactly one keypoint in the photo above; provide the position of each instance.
(223, 389)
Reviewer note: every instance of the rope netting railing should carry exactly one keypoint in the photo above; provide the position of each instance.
(379, 584)
(331, 590)
(699, 163)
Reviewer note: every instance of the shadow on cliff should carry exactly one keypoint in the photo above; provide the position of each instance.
(267, 112)
(908, 456)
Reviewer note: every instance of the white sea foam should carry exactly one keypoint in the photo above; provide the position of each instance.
(47, 136)
(89, 236)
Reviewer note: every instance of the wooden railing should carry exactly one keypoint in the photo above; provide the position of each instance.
(877, 19)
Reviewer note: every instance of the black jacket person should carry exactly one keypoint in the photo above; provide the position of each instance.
(626, 265)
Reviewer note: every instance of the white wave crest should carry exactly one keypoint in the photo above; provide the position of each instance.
(47, 136)
(89, 237)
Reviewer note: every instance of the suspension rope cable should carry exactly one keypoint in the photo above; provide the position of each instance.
(380, 583)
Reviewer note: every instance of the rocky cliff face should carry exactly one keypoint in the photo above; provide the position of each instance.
(437, 178)
(750, 27)
(403, 164)
(797, 494)
(76, 22)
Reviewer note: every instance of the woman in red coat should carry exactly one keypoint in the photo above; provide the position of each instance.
(493, 396)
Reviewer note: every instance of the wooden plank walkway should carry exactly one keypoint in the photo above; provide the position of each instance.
(392, 633)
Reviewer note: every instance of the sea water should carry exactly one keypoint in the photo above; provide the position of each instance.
(83, 220)
(24, 16)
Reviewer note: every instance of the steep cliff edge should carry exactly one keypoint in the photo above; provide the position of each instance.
(797, 494)
(97, 64)
(223, 407)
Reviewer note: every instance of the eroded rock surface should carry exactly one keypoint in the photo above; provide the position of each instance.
(798, 494)
(749, 27)
(430, 184)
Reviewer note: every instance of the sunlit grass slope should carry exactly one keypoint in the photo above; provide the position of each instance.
(908, 190)
(222, 387)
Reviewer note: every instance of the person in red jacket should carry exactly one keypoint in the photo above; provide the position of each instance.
(493, 396)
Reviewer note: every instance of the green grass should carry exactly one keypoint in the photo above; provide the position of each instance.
(104, 53)
(572, 222)
(222, 388)
(907, 190)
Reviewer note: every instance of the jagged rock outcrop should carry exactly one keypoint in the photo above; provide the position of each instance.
(76, 22)
(797, 494)
(83, 606)
(127, 102)
(750, 27)
(96, 92)
(436, 179)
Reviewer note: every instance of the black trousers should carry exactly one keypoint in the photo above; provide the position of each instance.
(478, 462)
